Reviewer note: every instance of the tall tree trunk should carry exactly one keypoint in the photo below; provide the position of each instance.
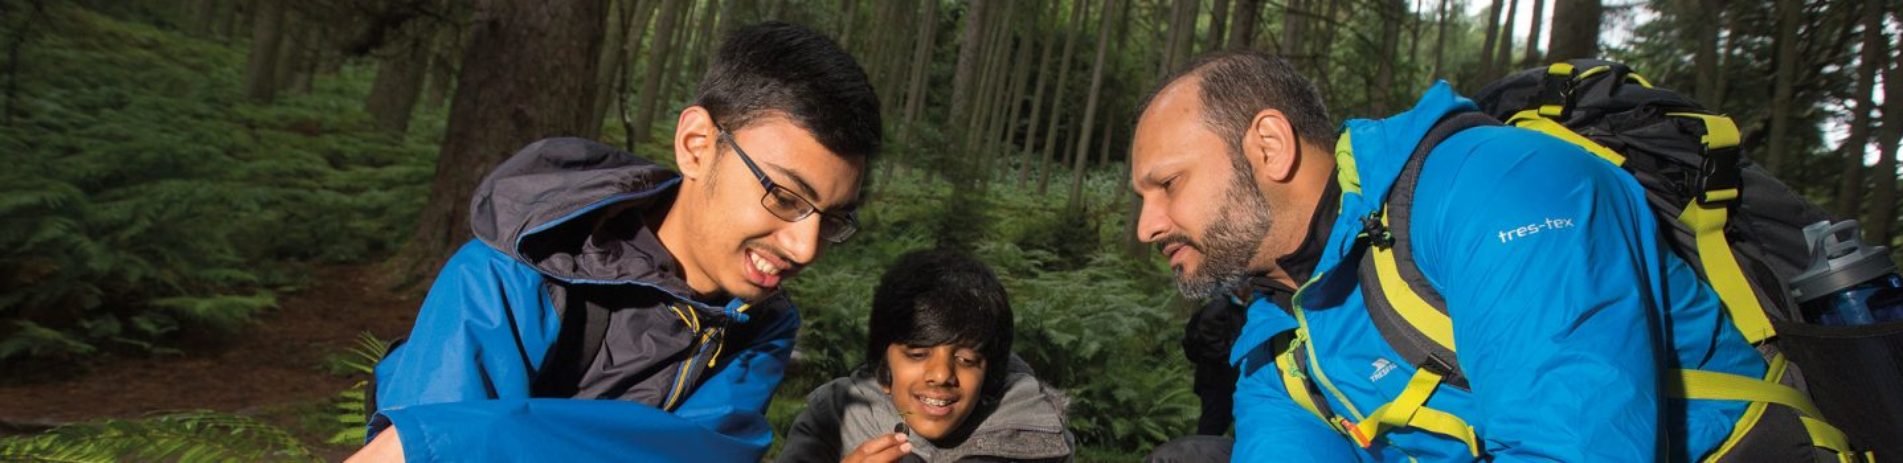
(1078, 16)
(984, 128)
(1182, 35)
(1037, 104)
(652, 94)
(1875, 48)
(400, 70)
(1705, 14)
(1014, 103)
(1440, 43)
(445, 47)
(1325, 49)
(1103, 141)
(291, 50)
(498, 108)
(1090, 102)
(1532, 57)
(609, 65)
(1575, 30)
(1883, 199)
(1493, 38)
(704, 40)
(1295, 29)
(1392, 13)
(1218, 25)
(1503, 60)
(231, 20)
(921, 66)
(205, 13)
(1789, 14)
(267, 40)
(970, 45)
(1242, 23)
(630, 55)
(849, 9)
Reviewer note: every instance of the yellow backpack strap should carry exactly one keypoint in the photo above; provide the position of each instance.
(1409, 304)
(1707, 215)
(1293, 379)
(1536, 120)
(1711, 385)
(1409, 409)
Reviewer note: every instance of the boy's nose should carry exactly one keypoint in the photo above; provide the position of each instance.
(939, 372)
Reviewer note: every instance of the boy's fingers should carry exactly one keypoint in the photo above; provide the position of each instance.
(885, 448)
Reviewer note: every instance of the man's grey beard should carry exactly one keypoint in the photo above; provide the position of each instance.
(1229, 242)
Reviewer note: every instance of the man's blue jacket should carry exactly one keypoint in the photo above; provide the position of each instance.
(1566, 310)
(556, 224)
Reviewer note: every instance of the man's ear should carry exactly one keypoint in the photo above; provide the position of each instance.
(1271, 148)
(696, 140)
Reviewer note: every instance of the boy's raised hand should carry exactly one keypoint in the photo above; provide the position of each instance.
(885, 448)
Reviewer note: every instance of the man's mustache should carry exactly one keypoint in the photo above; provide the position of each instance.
(1176, 239)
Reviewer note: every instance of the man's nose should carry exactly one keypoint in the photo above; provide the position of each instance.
(1153, 221)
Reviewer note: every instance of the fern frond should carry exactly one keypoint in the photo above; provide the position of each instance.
(187, 436)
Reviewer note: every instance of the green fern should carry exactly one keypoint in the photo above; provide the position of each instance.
(349, 406)
(225, 313)
(189, 436)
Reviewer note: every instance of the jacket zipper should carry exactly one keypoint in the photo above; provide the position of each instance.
(705, 336)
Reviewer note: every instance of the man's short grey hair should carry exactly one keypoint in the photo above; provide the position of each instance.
(1237, 84)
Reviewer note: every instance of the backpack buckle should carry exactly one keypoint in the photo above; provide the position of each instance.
(1555, 99)
(1719, 176)
(1376, 231)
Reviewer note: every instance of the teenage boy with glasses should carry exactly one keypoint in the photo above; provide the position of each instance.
(599, 275)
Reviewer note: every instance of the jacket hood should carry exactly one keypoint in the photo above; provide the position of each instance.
(1369, 157)
(1377, 151)
(571, 208)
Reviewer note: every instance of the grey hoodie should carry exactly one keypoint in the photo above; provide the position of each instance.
(1027, 423)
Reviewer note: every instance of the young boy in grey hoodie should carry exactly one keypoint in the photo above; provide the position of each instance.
(940, 383)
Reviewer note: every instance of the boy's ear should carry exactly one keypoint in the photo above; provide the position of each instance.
(696, 141)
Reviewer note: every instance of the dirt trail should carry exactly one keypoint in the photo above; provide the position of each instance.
(272, 367)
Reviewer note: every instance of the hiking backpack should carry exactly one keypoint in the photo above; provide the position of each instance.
(1740, 228)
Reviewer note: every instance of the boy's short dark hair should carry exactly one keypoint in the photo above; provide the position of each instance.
(795, 71)
(938, 297)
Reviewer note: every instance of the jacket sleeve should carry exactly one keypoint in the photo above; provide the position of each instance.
(1547, 256)
(458, 389)
(1271, 427)
(481, 331)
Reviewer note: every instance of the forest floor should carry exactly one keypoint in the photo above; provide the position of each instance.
(275, 369)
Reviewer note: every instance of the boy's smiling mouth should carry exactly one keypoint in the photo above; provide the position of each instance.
(936, 406)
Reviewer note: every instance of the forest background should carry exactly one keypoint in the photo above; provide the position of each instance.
(214, 212)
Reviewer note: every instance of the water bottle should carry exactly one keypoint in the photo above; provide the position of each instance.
(1848, 283)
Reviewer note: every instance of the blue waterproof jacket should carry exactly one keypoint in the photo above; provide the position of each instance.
(685, 381)
(1566, 310)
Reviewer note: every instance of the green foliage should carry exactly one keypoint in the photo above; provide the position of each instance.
(349, 406)
(144, 200)
(189, 436)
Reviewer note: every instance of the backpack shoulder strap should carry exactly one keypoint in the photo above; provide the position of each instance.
(1409, 313)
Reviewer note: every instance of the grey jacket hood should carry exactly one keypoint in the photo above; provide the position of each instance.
(544, 206)
(1026, 423)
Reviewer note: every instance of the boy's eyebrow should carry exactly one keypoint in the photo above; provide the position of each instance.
(805, 189)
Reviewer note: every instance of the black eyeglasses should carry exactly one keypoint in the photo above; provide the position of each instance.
(790, 206)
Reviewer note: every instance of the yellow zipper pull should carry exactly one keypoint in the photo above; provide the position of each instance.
(718, 345)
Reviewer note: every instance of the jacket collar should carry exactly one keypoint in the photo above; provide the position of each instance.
(1368, 158)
